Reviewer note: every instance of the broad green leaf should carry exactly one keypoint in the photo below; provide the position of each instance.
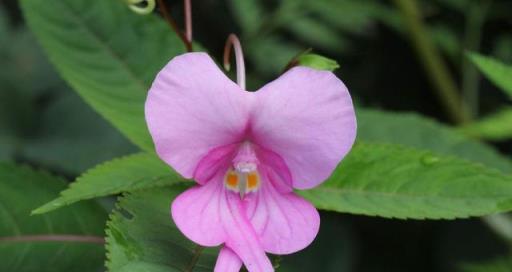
(317, 62)
(139, 240)
(107, 53)
(416, 131)
(503, 264)
(497, 126)
(21, 189)
(134, 172)
(496, 71)
(400, 182)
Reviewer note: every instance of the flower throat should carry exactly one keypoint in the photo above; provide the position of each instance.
(243, 177)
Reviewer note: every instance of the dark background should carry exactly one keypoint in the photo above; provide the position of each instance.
(45, 124)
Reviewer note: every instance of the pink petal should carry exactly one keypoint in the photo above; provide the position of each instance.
(196, 212)
(285, 222)
(191, 108)
(211, 215)
(306, 116)
(276, 169)
(242, 238)
(228, 261)
(216, 161)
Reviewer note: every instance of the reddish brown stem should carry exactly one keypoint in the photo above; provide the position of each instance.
(234, 42)
(55, 238)
(167, 16)
(295, 60)
(188, 20)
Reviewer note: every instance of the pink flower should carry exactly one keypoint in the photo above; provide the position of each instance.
(248, 151)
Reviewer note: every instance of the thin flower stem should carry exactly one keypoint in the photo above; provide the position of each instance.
(193, 262)
(431, 59)
(475, 15)
(54, 238)
(188, 20)
(234, 42)
(295, 60)
(173, 25)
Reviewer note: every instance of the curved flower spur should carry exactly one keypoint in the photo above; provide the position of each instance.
(248, 151)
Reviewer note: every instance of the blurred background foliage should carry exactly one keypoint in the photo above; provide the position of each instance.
(42, 121)
(45, 124)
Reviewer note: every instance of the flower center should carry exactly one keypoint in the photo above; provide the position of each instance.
(243, 177)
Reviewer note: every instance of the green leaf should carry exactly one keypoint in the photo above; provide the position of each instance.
(317, 62)
(20, 190)
(398, 182)
(131, 247)
(416, 131)
(496, 71)
(497, 126)
(107, 53)
(134, 172)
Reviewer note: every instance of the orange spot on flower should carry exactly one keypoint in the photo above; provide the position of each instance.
(252, 181)
(232, 180)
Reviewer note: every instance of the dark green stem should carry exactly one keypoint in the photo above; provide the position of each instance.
(445, 86)
(436, 69)
(475, 18)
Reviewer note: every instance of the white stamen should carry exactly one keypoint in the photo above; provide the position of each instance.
(245, 167)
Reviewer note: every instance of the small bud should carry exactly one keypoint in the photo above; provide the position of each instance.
(317, 62)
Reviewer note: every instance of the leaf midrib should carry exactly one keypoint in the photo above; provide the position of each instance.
(104, 45)
(67, 198)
